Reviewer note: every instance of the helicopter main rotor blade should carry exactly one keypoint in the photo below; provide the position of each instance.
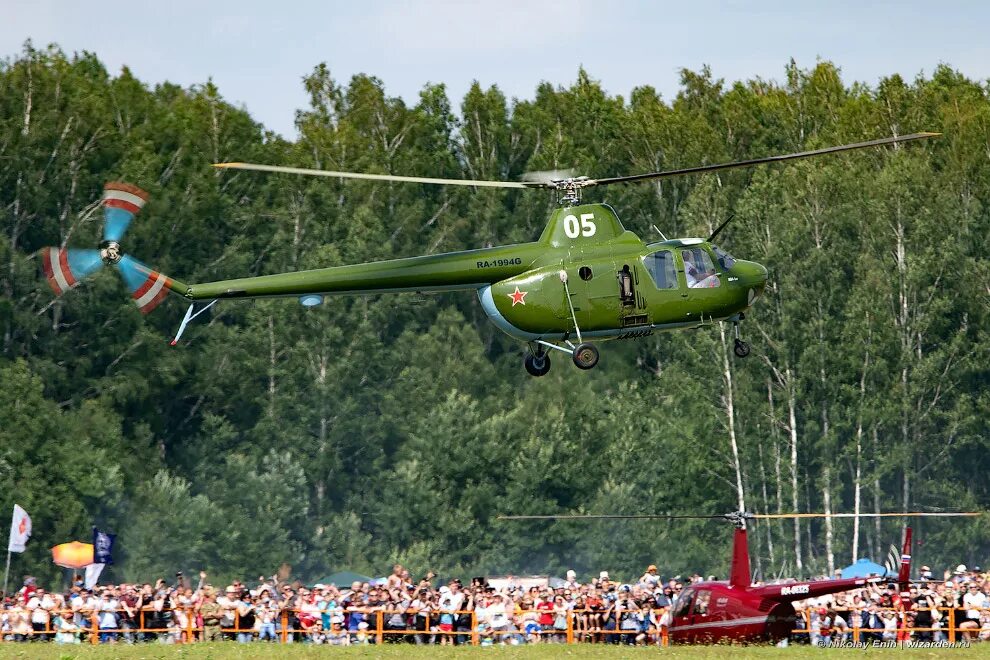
(906, 514)
(759, 161)
(592, 516)
(380, 177)
(747, 516)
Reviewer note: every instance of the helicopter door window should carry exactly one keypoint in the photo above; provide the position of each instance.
(701, 602)
(682, 606)
(699, 271)
(661, 268)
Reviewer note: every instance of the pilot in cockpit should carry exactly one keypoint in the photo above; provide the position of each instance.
(691, 273)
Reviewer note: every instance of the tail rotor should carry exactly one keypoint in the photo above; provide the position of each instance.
(66, 268)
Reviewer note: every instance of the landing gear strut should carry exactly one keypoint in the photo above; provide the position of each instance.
(585, 355)
(741, 349)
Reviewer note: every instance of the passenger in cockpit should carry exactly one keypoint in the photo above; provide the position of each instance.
(690, 270)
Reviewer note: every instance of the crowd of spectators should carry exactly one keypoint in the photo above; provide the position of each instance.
(424, 611)
(961, 596)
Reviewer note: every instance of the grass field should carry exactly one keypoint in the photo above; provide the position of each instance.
(232, 651)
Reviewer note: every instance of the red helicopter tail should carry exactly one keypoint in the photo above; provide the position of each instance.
(904, 574)
(739, 575)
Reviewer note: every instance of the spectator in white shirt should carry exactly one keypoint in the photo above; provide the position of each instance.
(40, 606)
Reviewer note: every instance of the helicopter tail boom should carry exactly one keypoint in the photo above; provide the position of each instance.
(904, 573)
(471, 269)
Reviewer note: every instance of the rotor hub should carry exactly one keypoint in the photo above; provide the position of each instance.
(569, 190)
(738, 518)
(110, 252)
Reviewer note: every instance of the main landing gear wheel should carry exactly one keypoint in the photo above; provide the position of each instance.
(741, 348)
(537, 365)
(585, 356)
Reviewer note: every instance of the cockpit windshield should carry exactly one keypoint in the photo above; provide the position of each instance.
(725, 259)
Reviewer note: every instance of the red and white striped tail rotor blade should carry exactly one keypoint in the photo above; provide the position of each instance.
(148, 287)
(65, 268)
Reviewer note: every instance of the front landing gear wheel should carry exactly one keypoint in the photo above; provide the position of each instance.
(585, 356)
(538, 365)
(741, 348)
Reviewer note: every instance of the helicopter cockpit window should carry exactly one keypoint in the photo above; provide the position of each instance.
(662, 270)
(699, 271)
(701, 602)
(725, 260)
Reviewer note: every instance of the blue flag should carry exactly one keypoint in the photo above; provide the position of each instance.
(102, 547)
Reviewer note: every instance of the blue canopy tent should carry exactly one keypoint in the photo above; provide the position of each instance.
(863, 568)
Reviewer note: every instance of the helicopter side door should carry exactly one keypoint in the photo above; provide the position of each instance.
(690, 613)
(631, 277)
(701, 611)
(592, 288)
(603, 308)
(681, 630)
(663, 289)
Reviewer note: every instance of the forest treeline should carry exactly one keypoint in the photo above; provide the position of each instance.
(382, 429)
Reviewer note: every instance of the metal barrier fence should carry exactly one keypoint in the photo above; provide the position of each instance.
(185, 625)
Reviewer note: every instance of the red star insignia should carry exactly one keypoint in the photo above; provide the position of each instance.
(518, 297)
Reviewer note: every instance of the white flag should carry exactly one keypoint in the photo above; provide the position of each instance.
(20, 530)
(93, 575)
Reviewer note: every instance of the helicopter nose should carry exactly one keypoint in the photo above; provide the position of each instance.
(761, 274)
(755, 280)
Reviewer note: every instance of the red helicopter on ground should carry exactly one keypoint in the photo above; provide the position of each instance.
(736, 610)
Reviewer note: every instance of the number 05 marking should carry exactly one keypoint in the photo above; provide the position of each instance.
(586, 227)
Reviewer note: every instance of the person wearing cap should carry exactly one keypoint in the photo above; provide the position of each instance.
(498, 614)
(571, 581)
(210, 611)
(422, 608)
(336, 635)
(650, 578)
